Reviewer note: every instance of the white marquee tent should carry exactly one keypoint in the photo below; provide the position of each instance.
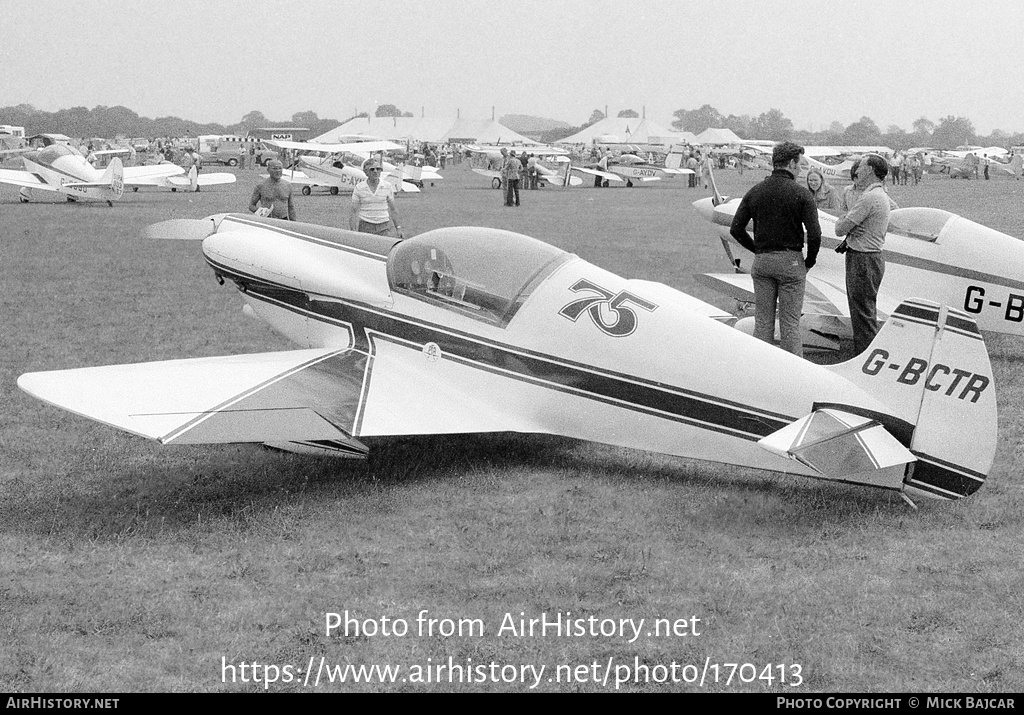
(627, 130)
(421, 129)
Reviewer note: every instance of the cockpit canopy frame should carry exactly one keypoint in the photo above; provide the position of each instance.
(484, 273)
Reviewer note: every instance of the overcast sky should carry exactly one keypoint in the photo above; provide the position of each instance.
(818, 62)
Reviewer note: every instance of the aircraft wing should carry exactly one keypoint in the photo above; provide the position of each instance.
(490, 173)
(595, 172)
(152, 175)
(221, 177)
(400, 184)
(821, 296)
(24, 178)
(293, 176)
(313, 396)
(217, 177)
(111, 152)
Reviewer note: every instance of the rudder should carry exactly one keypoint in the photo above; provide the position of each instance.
(114, 175)
(929, 365)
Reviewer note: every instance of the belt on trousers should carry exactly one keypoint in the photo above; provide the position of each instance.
(778, 250)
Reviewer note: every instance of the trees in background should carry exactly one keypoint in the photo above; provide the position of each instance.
(949, 132)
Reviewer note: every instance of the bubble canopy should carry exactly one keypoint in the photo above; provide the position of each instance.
(485, 273)
(921, 222)
(50, 154)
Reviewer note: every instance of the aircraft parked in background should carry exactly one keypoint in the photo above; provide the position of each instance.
(629, 167)
(832, 172)
(339, 166)
(467, 329)
(551, 169)
(62, 169)
(929, 253)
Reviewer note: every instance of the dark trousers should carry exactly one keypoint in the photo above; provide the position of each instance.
(511, 192)
(864, 272)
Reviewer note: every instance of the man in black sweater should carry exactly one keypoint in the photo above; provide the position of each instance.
(781, 209)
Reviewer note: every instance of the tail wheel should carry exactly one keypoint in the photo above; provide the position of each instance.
(495, 183)
(306, 191)
(334, 191)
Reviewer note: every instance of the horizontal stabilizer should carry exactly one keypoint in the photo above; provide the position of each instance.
(841, 445)
(213, 179)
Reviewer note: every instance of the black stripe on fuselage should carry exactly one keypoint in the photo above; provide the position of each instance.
(630, 395)
(627, 391)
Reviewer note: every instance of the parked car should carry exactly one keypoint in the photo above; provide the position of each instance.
(221, 156)
(264, 155)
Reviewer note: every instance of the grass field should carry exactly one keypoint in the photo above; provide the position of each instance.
(127, 566)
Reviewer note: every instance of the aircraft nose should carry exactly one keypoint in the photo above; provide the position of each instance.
(706, 208)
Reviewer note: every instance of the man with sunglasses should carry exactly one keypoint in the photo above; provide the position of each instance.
(373, 204)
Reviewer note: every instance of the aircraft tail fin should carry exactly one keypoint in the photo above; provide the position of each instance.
(928, 365)
(674, 160)
(718, 197)
(114, 176)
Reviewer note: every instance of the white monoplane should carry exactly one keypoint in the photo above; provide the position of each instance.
(556, 172)
(553, 165)
(929, 253)
(629, 168)
(63, 169)
(467, 329)
(339, 166)
(832, 172)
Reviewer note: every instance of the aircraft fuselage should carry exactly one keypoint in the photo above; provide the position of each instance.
(588, 354)
(68, 170)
